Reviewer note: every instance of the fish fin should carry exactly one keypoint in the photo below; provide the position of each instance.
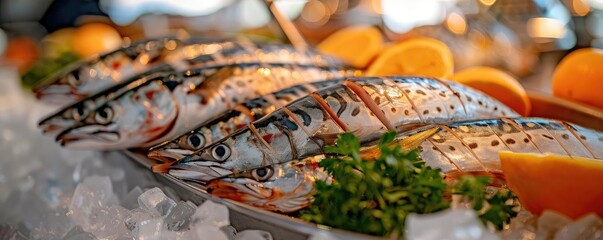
(161, 168)
(413, 141)
(408, 127)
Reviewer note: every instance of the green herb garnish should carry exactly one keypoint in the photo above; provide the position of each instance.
(46, 67)
(376, 196)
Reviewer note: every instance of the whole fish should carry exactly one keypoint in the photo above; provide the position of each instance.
(473, 146)
(82, 79)
(469, 147)
(210, 54)
(224, 124)
(367, 107)
(167, 106)
(286, 187)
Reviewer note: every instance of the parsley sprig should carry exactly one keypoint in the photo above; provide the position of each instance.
(375, 196)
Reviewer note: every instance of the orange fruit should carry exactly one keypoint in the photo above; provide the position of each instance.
(417, 56)
(497, 84)
(569, 185)
(579, 77)
(95, 38)
(22, 52)
(356, 45)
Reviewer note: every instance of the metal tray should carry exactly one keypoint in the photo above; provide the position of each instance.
(286, 227)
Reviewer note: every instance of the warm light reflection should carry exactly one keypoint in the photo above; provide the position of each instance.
(545, 28)
(580, 7)
(315, 12)
(401, 16)
(487, 2)
(456, 23)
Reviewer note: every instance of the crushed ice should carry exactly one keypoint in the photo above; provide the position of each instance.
(47, 192)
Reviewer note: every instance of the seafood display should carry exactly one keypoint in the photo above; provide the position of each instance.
(226, 123)
(171, 104)
(366, 107)
(237, 53)
(83, 79)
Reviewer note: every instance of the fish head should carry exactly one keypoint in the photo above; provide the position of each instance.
(64, 87)
(69, 116)
(236, 153)
(129, 120)
(285, 187)
(180, 147)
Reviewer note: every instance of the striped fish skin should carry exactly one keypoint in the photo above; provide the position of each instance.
(208, 54)
(473, 146)
(367, 107)
(83, 79)
(232, 120)
(165, 107)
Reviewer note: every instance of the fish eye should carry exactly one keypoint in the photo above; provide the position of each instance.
(73, 79)
(77, 112)
(193, 141)
(220, 152)
(262, 174)
(103, 115)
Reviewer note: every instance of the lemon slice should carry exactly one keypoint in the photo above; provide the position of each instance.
(356, 46)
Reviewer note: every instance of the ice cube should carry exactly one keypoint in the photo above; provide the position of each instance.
(549, 223)
(54, 225)
(136, 217)
(253, 235)
(230, 231)
(77, 233)
(156, 201)
(103, 188)
(448, 224)
(148, 230)
(109, 223)
(130, 201)
(212, 213)
(179, 217)
(84, 202)
(209, 231)
(587, 227)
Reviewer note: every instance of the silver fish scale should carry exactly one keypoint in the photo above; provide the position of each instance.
(456, 151)
(591, 139)
(485, 106)
(544, 140)
(564, 136)
(359, 119)
(474, 146)
(482, 141)
(506, 130)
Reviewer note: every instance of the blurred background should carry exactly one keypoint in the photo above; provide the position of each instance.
(525, 38)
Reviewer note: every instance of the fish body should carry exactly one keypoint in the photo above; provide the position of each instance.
(366, 107)
(208, 54)
(85, 78)
(473, 146)
(170, 105)
(227, 123)
(469, 147)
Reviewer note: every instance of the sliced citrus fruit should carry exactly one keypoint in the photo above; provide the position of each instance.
(356, 45)
(95, 38)
(417, 56)
(569, 185)
(497, 84)
(579, 77)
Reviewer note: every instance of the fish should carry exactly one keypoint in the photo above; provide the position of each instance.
(228, 122)
(366, 107)
(208, 55)
(460, 148)
(82, 79)
(167, 106)
(285, 188)
(473, 146)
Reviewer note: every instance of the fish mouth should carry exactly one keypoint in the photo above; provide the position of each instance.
(168, 155)
(85, 137)
(53, 125)
(197, 171)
